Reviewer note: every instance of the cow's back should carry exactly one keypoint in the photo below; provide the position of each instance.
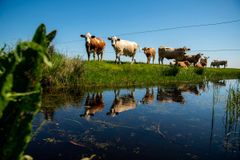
(170, 53)
(97, 44)
(127, 48)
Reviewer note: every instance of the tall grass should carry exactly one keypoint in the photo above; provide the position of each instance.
(232, 119)
(64, 72)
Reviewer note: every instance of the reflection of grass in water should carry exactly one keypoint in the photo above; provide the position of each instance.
(232, 129)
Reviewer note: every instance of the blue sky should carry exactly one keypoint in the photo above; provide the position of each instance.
(19, 19)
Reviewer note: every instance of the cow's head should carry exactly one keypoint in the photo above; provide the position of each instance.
(186, 49)
(87, 37)
(145, 50)
(113, 40)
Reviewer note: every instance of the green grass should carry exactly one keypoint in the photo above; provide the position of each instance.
(110, 74)
(73, 71)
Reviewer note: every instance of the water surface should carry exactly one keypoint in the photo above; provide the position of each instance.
(181, 121)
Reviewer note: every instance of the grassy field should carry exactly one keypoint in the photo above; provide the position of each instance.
(75, 72)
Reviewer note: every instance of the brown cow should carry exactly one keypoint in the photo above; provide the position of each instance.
(93, 45)
(171, 53)
(183, 64)
(93, 104)
(149, 52)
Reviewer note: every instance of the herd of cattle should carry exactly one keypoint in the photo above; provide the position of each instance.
(96, 46)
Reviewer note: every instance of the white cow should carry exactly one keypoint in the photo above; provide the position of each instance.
(123, 47)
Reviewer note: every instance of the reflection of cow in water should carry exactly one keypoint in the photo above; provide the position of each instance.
(174, 94)
(220, 83)
(48, 113)
(122, 103)
(170, 94)
(94, 103)
(148, 97)
(189, 88)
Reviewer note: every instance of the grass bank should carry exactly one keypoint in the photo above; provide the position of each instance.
(75, 72)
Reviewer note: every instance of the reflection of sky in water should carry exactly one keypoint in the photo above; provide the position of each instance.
(149, 131)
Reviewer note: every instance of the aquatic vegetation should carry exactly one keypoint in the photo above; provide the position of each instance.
(232, 119)
(20, 98)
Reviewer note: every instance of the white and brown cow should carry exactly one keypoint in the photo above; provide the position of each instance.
(94, 103)
(94, 45)
(122, 103)
(150, 53)
(202, 62)
(171, 53)
(193, 58)
(123, 47)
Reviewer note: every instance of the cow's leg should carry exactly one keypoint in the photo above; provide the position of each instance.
(148, 60)
(88, 56)
(94, 56)
(162, 60)
(132, 60)
(116, 60)
(119, 60)
(98, 56)
(101, 55)
(153, 59)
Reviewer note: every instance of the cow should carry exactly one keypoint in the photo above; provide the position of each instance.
(122, 103)
(183, 64)
(148, 97)
(198, 65)
(150, 53)
(202, 62)
(171, 53)
(193, 58)
(93, 104)
(94, 45)
(123, 47)
(218, 63)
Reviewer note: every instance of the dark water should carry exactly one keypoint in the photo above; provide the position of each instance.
(186, 121)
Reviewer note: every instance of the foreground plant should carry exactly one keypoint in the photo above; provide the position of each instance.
(20, 92)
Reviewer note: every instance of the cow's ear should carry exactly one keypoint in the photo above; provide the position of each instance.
(118, 39)
(109, 38)
(93, 36)
(83, 36)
